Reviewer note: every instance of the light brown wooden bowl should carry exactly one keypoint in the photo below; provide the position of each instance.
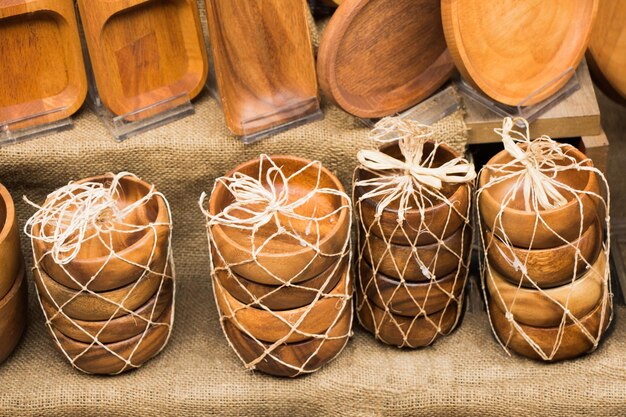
(405, 332)
(308, 355)
(134, 247)
(91, 307)
(518, 225)
(284, 257)
(397, 261)
(278, 297)
(271, 327)
(440, 219)
(405, 299)
(13, 309)
(546, 267)
(115, 330)
(10, 251)
(95, 359)
(531, 307)
(573, 344)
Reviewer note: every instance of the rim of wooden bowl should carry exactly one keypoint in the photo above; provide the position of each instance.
(9, 219)
(396, 295)
(281, 299)
(13, 310)
(10, 250)
(249, 349)
(538, 310)
(267, 327)
(572, 335)
(88, 307)
(415, 274)
(115, 330)
(547, 279)
(96, 360)
(62, 277)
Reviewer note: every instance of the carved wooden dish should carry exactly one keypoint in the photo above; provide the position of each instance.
(144, 51)
(13, 307)
(512, 49)
(284, 258)
(131, 248)
(10, 252)
(518, 224)
(42, 63)
(439, 221)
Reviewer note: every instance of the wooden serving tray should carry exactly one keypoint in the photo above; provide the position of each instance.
(41, 62)
(144, 51)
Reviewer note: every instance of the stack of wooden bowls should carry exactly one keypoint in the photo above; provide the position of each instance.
(412, 273)
(540, 264)
(13, 282)
(110, 311)
(286, 309)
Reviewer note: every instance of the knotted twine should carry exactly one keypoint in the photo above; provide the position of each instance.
(534, 167)
(266, 200)
(77, 213)
(415, 183)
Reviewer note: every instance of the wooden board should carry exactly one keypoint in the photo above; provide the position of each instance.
(577, 115)
(144, 51)
(264, 62)
(379, 57)
(41, 64)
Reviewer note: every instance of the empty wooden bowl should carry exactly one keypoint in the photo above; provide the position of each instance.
(284, 297)
(545, 308)
(290, 360)
(288, 326)
(285, 258)
(400, 261)
(10, 251)
(519, 225)
(410, 298)
(439, 221)
(112, 358)
(13, 307)
(139, 248)
(573, 342)
(115, 329)
(546, 267)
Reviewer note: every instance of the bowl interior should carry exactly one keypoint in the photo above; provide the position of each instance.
(4, 213)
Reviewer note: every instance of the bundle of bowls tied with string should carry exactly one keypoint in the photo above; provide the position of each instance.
(279, 237)
(413, 199)
(543, 211)
(104, 271)
(13, 282)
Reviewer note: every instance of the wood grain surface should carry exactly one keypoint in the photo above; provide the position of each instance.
(13, 311)
(10, 251)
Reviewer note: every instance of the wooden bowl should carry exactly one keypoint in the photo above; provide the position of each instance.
(291, 360)
(13, 308)
(281, 325)
(518, 225)
(540, 309)
(573, 343)
(114, 330)
(513, 49)
(86, 306)
(285, 258)
(399, 261)
(285, 297)
(131, 248)
(10, 251)
(439, 220)
(406, 332)
(98, 359)
(546, 267)
(411, 299)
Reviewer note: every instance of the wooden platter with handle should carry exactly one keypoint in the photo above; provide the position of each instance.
(42, 69)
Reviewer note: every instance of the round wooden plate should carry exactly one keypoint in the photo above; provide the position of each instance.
(379, 57)
(512, 49)
(13, 315)
(10, 251)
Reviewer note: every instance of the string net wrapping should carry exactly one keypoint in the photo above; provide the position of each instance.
(413, 201)
(102, 217)
(526, 247)
(269, 207)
